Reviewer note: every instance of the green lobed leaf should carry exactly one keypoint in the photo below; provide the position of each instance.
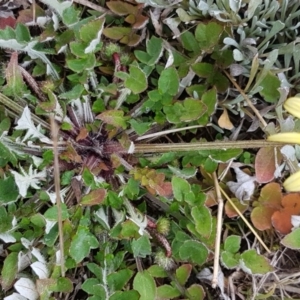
(51, 213)
(196, 291)
(113, 117)
(203, 69)
(194, 252)
(132, 189)
(137, 79)
(74, 93)
(208, 35)
(157, 271)
(132, 295)
(168, 82)
(232, 243)
(78, 48)
(292, 240)
(203, 220)
(221, 155)
(70, 15)
(270, 85)
(141, 247)
(189, 42)
(81, 64)
(9, 270)
(15, 85)
(154, 51)
(229, 260)
(180, 188)
(94, 287)
(82, 242)
(95, 269)
(210, 165)
(7, 34)
(8, 190)
(210, 99)
(192, 110)
(5, 220)
(114, 200)
(183, 273)
(253, 263)
(140, 127)
(167, 292)
(7, 156)
(22, 33)
(62, 285)
(90, 31)
(4, 125)
(144, 283)
(118, 280)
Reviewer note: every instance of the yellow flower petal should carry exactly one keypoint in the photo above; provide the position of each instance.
(292, 183)
(285, 137)
(292, 105)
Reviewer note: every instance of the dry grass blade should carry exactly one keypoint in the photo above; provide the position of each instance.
(54, 131)
(219, 231)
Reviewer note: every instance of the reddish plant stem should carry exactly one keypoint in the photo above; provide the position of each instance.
(162, 240)
(117, 62)
(150, 223)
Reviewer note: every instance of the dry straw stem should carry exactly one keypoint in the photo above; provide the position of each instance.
(219, 230)
(163, 148)
(54, 132)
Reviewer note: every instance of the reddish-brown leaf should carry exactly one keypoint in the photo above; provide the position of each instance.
(270, 196)
(10, 22)
(265, 164)
(70, 155)
(281, 220)
(165, 189)
(122, 8)
(83, 133)
(268, 202)
(261, 217)
(211, 198)
(95, 197)
(140, 21)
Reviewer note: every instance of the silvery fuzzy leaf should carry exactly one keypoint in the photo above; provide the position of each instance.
(295, 220)
(137, 217)
(244, 187)
(27, 288)
(40, 269)
(25, 123)
(31, 179)
(24, 260)
(159, 3)
(15, 296)
(236, 69)
(7, 238)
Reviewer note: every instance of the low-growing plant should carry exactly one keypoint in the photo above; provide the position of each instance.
(92, 207)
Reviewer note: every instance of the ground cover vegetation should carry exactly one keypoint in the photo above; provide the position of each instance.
(142, 149)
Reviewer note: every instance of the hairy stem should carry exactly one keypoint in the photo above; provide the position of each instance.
(162, 148)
